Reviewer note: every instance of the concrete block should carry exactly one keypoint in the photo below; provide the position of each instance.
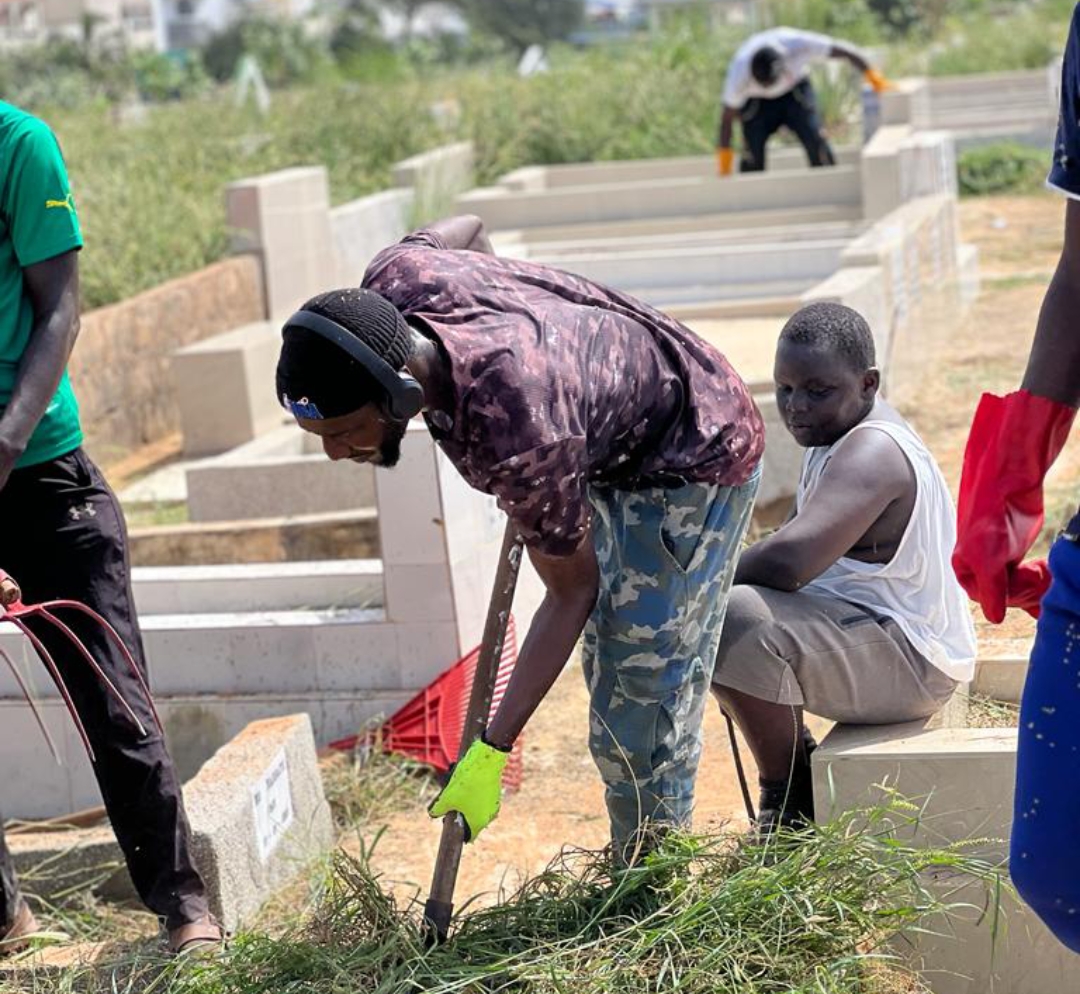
(419, 593)
(963, 780)
(968, 274)
(57, 863)
(276, 486)
(348, 658)
(782, 461)
(1001, 671)
(285, 218)
(253, 652)
(426, 649)
(532, 178)
(907, 103)
(979, 948)
(225, 388)
(597, 240)
(239, 587)
(258, 815)
(436, 178)
(337, 535)
(196, 726)
(363, 228)
(882, 182)
(861, 288)
(706, 269)
(33, 785)
(764, 220)
(661, 198)
(474, 531)
(410, 514)
(962, 777)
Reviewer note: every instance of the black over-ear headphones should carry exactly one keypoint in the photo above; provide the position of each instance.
(406, 395)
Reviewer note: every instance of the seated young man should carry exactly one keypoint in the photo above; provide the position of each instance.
(850, 609)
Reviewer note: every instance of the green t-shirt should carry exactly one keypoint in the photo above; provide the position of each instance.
(37, 222)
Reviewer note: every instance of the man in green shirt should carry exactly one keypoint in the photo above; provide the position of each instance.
(65, 536)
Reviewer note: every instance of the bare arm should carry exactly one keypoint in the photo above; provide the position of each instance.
(465, 231)
(1053, 369)
(867, 473)
(842, 51)
(572, 583)
(727, 123)
(53, 288)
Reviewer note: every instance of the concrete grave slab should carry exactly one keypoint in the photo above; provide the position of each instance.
(277, 486)
(55, 864)
(660, 198)
(639, 170)
(765, 219)
(281, 473)
(239, 587)
(258, 815)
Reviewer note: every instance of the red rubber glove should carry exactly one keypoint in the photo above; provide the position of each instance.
(1014, 440)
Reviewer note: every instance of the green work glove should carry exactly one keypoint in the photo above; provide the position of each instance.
(474, 788)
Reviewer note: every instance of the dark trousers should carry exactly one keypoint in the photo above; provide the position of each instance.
(65, 537)
(795, 110)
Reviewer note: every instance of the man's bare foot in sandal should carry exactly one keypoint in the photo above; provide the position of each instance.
(204, 937)
(17, 937)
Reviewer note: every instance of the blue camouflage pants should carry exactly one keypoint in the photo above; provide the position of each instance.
(667, 557)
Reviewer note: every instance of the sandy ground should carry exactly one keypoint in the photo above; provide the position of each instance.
(561, 800)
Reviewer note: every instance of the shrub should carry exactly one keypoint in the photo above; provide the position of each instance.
(1004, 167)
(284, 50)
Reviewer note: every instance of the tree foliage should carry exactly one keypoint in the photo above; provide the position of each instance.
(521, 23)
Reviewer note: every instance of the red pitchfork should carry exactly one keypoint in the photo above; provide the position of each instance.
(15, 611)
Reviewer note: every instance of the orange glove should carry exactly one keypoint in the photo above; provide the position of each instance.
(877, 81)
(725, 161)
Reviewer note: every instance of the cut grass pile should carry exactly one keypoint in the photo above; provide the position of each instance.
(701, 915)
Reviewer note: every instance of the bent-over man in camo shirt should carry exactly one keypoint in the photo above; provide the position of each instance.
(624, 449)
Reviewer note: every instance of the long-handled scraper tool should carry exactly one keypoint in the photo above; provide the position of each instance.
(440, 903)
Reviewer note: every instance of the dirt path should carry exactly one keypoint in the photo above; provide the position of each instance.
(561, 801)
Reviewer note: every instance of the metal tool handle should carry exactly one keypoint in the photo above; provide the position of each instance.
(439, 908)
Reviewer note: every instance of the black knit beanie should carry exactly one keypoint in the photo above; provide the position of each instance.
(316, 378)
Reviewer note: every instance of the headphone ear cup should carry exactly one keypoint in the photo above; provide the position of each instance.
(408, 401)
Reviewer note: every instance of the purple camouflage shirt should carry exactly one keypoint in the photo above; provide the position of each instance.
(560, 383)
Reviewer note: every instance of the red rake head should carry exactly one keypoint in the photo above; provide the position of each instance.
(14, 611)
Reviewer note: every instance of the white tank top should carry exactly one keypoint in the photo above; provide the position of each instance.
(917, 587)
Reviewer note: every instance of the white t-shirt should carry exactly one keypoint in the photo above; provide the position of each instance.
(800, 50)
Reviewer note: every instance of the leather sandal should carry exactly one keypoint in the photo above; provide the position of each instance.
(23, 928)
(203, 937)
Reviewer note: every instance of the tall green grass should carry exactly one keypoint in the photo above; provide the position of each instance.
(150, 192)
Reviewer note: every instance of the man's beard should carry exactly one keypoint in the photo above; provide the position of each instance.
(390, 449)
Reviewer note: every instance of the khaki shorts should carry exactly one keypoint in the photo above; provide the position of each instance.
(836, 659)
